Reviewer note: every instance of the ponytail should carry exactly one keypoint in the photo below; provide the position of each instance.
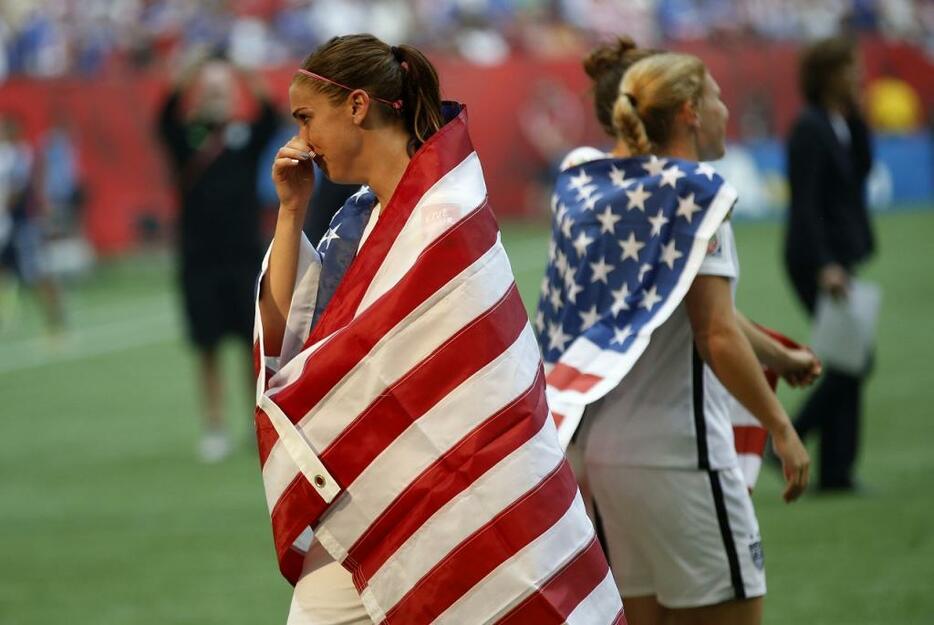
(421, 93)
(629, 126)
(650, 95)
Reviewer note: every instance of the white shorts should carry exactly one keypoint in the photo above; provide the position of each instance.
(325, 594)
(688, 537)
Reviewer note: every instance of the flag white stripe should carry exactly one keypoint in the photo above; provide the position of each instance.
(511, 582)
(750, 465)
(300, 451)
(515, 475)
(601, 603)
(453, 197)
(439, 317)
(482, 395)
(304, 298)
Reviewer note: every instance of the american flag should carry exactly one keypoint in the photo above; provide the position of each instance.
(409, 432)
(749, 437)
(629, 236)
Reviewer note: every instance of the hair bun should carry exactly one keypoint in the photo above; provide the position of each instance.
(608, 57)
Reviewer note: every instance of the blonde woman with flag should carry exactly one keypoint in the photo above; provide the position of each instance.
(781, 358)
(411, 466)
(637, 322)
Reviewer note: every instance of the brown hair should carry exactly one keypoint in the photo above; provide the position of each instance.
(606, 65)
(819, 63)
(386, 72)
(650, 95)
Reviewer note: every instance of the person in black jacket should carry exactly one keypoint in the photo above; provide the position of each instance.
(215, 158)
(829, 233)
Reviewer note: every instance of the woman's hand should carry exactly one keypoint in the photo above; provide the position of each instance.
(796, 464)
(799, 367)
(293, 175)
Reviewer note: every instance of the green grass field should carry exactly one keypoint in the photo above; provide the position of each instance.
(106, 517)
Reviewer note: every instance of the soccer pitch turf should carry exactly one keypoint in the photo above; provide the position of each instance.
(107, 518)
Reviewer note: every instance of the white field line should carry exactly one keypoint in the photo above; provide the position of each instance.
(137, 330)
(81, 343)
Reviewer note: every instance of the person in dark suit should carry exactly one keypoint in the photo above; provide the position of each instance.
(829, 233)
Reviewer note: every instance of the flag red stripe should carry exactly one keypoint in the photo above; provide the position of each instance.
(458, 248)
(290, 565)
(567, 378)
(749, 439)
(398, 407)
(446, 149)
(620, 618)
(564, 591)
(451, 474)
(264, 430)
(298, 503)
(468, 351)
(513, 529)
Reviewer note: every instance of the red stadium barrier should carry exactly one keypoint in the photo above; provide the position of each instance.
(524, 113)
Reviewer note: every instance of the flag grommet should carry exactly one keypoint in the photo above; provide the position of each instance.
(319, 481)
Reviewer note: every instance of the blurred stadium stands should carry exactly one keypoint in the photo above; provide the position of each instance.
(86, 37)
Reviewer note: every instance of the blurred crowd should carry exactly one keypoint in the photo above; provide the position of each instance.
(85, 37)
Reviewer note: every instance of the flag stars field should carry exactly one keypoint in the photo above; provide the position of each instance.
(638, 198)
(654, 166)
(651, 298)
(657, 223)
(704, 169)
(581, 243)
(670, 254)
(620, 296)
(601, 270)
(608, 220)
(589, 318)
(671, 176)
(618, 178)
(631, 247)
(687, 207)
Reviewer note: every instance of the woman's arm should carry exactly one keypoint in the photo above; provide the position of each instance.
(798, 367)
(724, 347)
(294, 179)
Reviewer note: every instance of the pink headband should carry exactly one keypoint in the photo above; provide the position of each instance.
(394, 104)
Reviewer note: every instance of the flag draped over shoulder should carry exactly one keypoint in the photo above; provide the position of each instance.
(408, 432)
(629, 236)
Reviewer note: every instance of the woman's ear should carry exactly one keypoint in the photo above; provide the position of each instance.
(359, 105)
(689, 115)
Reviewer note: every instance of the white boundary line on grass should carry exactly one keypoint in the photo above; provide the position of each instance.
(111, 337)
(83, 343)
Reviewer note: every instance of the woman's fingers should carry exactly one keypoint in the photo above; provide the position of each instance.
(286, 161)
(288, 152)
(282, 165)
(796, 482)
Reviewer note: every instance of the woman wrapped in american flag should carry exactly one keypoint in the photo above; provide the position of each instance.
(411, 466)
(637, 324)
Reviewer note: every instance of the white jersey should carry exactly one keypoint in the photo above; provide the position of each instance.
(670, 410)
